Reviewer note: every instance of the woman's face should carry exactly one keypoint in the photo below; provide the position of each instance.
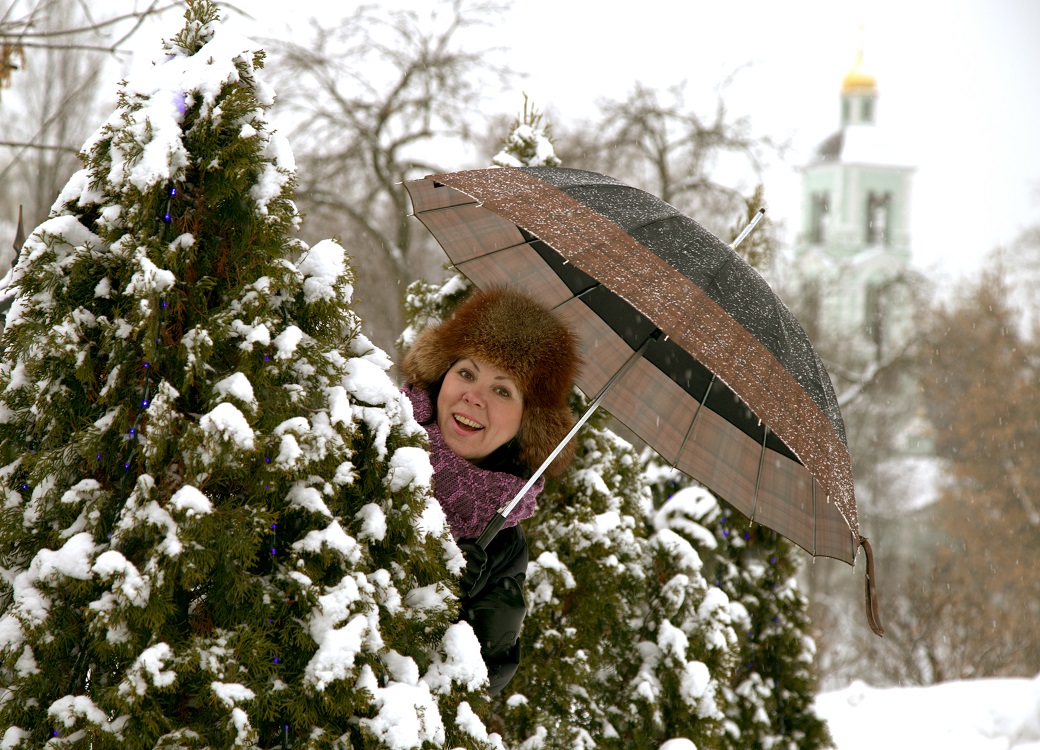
(478, 408)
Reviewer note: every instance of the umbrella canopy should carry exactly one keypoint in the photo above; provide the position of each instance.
(727, 387)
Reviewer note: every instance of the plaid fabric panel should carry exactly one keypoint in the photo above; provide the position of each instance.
(519, 267)
(426, 195)
(603, 352)
(787, 505)
(654, 407)
(833, 536)
(469, 231)
(722, 458)
(785, 500)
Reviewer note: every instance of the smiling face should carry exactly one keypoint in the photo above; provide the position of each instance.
(479, 408)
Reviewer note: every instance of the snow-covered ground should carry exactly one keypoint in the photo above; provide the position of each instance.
(993, 714)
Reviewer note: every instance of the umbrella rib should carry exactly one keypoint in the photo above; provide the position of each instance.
(758, 480)
(496, 251)
(437, 209)
(696, 416)
(579, 295)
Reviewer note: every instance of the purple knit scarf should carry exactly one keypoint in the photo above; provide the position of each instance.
(469, 495)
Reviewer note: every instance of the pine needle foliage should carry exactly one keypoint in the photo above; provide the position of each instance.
(216, 528)
(627, 646)
(529, 143)
(769, 696)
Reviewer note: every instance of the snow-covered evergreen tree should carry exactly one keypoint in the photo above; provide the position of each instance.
(427, 304)
(529, 143)
(769, 699)
(625, 645)
(585, 586)
(216, 528)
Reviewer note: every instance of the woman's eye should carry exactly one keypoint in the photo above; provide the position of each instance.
(464, 373)
(504, 393)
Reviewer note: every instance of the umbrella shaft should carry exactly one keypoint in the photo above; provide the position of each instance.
(747, 230)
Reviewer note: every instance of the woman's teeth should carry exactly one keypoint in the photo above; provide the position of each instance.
(468, 422)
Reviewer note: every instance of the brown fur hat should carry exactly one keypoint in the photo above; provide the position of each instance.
(511, 331)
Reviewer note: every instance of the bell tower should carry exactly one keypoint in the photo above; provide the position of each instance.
(853, 250)
(858, 95)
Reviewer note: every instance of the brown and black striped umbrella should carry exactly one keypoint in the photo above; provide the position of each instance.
(715, 372)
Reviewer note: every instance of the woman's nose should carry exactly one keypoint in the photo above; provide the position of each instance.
(474, 396)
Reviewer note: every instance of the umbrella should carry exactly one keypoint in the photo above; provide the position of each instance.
(683, 341)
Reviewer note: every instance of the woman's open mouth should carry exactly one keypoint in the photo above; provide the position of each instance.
(467, 424)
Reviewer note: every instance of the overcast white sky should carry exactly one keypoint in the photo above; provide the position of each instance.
(957, 86)
(956, 81)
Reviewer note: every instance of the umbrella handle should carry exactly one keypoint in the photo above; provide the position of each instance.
(873, 614)
(493, 527)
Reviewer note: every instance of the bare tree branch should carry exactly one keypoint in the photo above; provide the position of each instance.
(371, 97)
(659, 142)
(29, 32)
(38, 146)
(861, 381)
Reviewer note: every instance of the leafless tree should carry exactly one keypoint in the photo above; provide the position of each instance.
(706, 165)
(377, 100)
(52, 53)
(981, 385)
(875, 380)
(959, 600)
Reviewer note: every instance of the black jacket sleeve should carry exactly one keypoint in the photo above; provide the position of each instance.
(496, 608)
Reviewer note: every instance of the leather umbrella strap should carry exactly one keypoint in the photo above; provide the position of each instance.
(873, 616)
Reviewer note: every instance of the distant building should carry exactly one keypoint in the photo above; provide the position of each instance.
(852, 254)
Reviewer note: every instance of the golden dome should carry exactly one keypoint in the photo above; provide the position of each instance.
(857, 80)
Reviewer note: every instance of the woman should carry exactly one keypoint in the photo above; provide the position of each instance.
(490, 385)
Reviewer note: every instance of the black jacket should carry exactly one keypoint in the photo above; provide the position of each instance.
(495, 608)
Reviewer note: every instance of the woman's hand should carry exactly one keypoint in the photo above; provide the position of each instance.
(476, 573)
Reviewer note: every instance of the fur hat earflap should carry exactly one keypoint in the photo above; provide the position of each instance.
(511, 331)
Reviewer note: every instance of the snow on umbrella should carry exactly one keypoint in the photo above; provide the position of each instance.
(682, 340)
